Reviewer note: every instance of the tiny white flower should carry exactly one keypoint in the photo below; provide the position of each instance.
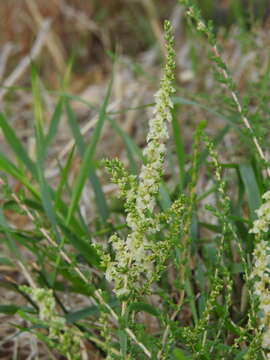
(266, 340)
(260, 270)
(266, 195)
(190, 12)
(201, 26)
(136, 252)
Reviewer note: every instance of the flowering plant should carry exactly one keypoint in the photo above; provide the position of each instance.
(140, 253)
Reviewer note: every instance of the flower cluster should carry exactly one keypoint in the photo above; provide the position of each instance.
(135, 255)
(261, 271)
(60, 336)
(262, 223)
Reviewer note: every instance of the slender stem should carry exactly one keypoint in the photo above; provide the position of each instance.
(240, 110)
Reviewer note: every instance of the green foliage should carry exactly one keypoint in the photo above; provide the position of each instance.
(169, 272)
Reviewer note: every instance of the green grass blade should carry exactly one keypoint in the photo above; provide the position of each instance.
(53, 127)
(41, 146)
(191, 300)
(12, 309)
(179, 147)
(63, 178)
(16, 146)
(7, 166)
(183, 101)
(131, 148)
(46, 198)
(62, 211)
(251, 187)
(164, 197)
(99, 195)
(8, 238)
(144, 307)
(87, 161)
(84, 248)
(123, 341)
(79, 226)
(72, 122)
(81, 314)
(179, 355)
(38, 112)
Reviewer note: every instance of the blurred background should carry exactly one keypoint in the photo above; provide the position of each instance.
(93, 34)
(88, 29)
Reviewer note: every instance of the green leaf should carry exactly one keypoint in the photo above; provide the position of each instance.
(47, 201)
(72, 121)
(8, 309)
(72, 317)
(8, 238)
(6, 261)
(101, 202)
(7, 166)
(123, 338)
(52, 128)
(140, 306)
(179, 147)
(184, 101)
(179, 355)
(38, 112)
(251, 187)
(12, 309)
(87, 154)
(84, 248)
(241, 355)
(131, 148)
(14, 287)
(63, 179)
(17, 146)
(164, 197)
(62, 209)
(191, 300)
(78, 285)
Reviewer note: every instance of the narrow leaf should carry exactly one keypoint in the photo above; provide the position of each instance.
(53, 127)
(99, 195)
(84, 248)
(87, 162)
(16, 145)
(251, 187)
(179, 147)
(140, 306)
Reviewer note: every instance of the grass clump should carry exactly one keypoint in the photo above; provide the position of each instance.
(202, 285)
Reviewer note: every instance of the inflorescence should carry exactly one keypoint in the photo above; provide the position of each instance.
(137, 254)
(260, 273)
(60, 336)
